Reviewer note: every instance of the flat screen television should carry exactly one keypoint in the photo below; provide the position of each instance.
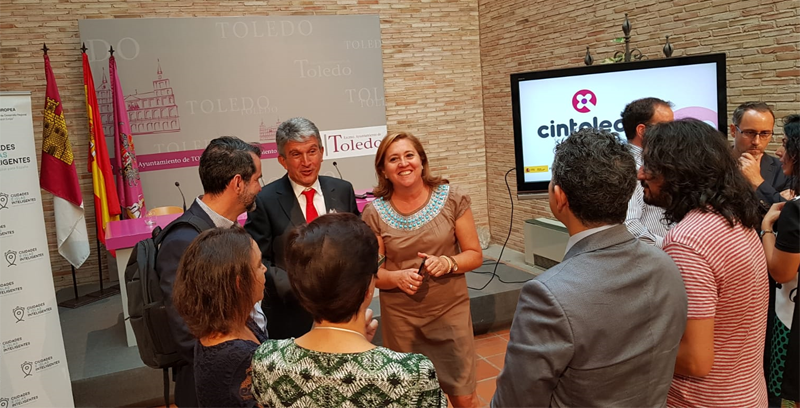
(549, 105)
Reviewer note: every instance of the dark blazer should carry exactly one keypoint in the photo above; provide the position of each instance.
(600, 329)
(169, 256)
(277, 212)
(769, 192)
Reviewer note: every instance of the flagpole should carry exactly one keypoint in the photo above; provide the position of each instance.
(102, 293)
(95, 296)
(74, 301)
(99, 254)
(74, 283)
(99, 264)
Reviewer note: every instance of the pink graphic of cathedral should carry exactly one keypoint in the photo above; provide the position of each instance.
(267, 135)
(148, 113)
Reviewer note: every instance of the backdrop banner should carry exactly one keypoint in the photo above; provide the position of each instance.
(188, 80)
(33, 365)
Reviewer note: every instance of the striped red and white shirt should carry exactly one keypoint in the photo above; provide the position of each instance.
(725, 273)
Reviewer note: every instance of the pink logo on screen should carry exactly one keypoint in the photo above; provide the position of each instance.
(584, 100)
(699, 113)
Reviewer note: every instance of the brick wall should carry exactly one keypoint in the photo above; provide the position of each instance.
(431, 62)
(761, 39)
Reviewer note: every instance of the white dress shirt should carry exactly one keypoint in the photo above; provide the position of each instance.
(319, 200)
(644, 220)
(573, 239)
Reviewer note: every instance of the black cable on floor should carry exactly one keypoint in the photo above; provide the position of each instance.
(510, 225)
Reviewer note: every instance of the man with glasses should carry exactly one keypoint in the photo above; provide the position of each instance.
(295, 199)
(644, 220)
(752, 131)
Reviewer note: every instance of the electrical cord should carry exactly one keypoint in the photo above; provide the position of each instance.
(510, 226)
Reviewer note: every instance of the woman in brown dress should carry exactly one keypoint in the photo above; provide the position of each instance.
(421, 218)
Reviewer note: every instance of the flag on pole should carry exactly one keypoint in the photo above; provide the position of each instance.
(106, 202)
(59, 177)
(129, 187)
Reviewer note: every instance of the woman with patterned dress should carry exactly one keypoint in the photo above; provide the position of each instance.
(332, 264)
(419, 220)
(220, 278)
(783, 261)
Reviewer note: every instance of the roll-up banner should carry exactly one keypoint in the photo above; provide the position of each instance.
(33, 365)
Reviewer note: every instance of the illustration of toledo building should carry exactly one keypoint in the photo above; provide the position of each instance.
(148, 113)
(267, 135)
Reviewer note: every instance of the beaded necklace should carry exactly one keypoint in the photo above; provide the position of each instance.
(417, 220)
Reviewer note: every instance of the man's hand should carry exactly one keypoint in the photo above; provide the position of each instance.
(372, 325)
(787, 194)
(751, 168)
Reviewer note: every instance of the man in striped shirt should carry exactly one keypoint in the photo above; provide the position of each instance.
(689, 172)
(644, 220)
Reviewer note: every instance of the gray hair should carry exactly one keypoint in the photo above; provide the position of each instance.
(296, 130)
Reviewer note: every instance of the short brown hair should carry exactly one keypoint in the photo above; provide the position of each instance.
(384, 187)
(331, 263)
(212, 277)
(740, 110)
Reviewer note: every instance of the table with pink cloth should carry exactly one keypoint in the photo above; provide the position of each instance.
(123, 235)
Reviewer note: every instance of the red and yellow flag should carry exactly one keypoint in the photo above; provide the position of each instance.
(106, 202)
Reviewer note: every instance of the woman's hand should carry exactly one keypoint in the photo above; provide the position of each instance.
(772, 216)
(435, 266)
(371, 325)
(408, 280)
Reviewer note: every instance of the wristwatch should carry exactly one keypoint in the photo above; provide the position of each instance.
(766, 232)
(455, 265)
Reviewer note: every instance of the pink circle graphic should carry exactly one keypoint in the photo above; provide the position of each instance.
(584, 100)
(699, 113)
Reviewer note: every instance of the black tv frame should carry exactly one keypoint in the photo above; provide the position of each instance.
(531, 190)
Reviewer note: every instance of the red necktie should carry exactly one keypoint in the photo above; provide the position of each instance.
(311, 211)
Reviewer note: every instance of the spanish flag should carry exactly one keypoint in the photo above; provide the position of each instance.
(106, 202)
(58, 176)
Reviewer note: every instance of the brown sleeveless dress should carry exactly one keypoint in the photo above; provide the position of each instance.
(436, 321)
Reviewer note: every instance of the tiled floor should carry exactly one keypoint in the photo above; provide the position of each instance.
(490, 350)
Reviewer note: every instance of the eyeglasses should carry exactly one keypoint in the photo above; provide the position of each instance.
(749, 133)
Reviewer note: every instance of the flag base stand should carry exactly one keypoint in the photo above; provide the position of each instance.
(78, 301)
(88, 298)
(104, 293)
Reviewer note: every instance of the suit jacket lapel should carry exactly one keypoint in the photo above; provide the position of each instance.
(331, 203)
(603, 239)
(767, 168)
(289, 203)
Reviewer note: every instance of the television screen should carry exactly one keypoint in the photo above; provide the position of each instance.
(549, 105)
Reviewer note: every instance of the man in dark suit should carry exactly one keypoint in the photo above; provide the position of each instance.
(601, 328)
(295, 199)
(230, 170)
(751, 128)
